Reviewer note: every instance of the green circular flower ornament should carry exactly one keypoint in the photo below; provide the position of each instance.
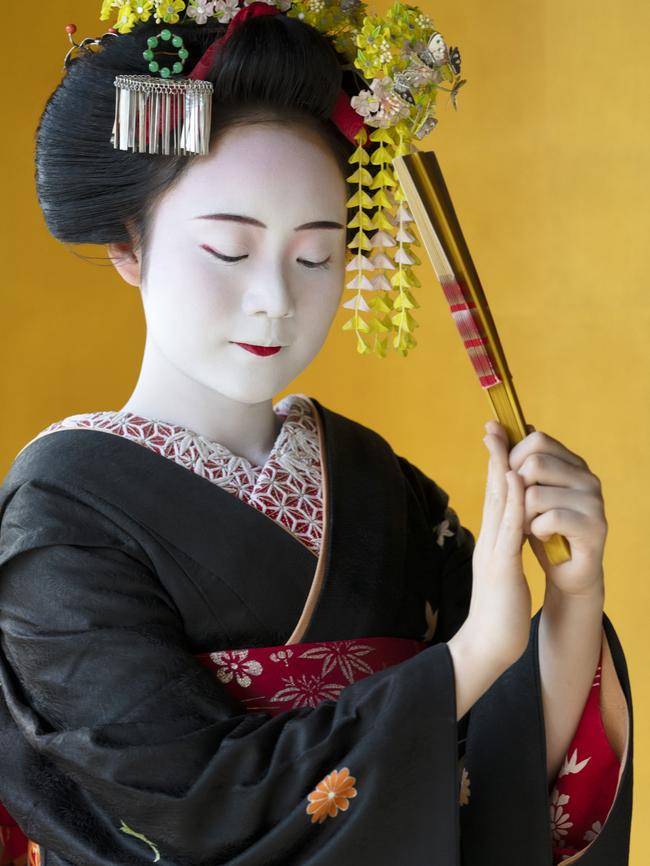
(153, 42)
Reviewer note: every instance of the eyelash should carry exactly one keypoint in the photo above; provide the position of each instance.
(312, 266)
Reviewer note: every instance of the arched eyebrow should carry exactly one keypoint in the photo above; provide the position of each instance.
(239, 218)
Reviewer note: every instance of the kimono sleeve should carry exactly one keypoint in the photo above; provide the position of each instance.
(448, 588)
(118, 747)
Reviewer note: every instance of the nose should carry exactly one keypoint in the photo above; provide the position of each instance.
(269, 293)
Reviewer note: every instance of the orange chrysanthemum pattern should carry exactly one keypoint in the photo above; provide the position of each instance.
(330, 795)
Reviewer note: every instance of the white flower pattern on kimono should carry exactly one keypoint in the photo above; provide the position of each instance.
(346, 654)
(560, 822)
(571, 764)
(232, 663)
(463, 798)
(590, 835)
(443, 529)
(431, 617)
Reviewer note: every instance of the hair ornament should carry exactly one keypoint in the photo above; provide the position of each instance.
(400, 61)
(86, 46)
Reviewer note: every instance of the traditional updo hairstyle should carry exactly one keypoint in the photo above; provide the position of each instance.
(272, 68)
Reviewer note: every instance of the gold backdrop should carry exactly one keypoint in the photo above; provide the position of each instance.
(548, 164)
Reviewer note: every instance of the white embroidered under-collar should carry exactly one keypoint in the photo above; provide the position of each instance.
(288, 487)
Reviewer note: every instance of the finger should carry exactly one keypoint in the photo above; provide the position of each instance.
(495, 490)
(538, 499)
(553, 471)
(573, 526)
(488, 524)
(495, 428)
(511, 532)
(542, 442)
(499, 452)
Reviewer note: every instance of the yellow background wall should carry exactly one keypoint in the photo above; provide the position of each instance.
(548, 164)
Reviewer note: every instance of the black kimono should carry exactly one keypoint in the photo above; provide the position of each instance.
(120, 571)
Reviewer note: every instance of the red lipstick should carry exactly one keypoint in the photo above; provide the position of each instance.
(259, 350)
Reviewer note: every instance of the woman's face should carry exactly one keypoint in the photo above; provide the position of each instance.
(285, 282)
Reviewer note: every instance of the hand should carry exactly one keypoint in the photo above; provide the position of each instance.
(500, 607)
(561, 495)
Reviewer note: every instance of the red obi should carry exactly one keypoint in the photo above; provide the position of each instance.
(276, 678)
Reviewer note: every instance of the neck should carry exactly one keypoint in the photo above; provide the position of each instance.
(165, 393)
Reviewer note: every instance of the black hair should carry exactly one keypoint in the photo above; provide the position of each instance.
(273, 67)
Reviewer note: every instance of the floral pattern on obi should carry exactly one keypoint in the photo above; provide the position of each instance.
(278, 678)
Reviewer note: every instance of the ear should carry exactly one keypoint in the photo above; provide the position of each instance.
(126, 261)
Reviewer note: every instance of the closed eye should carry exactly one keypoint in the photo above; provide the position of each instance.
(232, 259)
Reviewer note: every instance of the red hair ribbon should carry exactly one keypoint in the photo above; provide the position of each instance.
(343, 116)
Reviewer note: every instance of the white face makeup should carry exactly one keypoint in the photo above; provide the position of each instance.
(284, 283)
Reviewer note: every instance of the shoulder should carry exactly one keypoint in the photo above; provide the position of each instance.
(42, 517)
(103, 420)
(45, 500)
(67, 443)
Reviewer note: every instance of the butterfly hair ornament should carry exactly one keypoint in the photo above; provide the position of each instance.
(401, 62)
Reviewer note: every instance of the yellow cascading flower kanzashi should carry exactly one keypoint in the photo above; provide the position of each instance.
(391, 314)
(380, 47)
